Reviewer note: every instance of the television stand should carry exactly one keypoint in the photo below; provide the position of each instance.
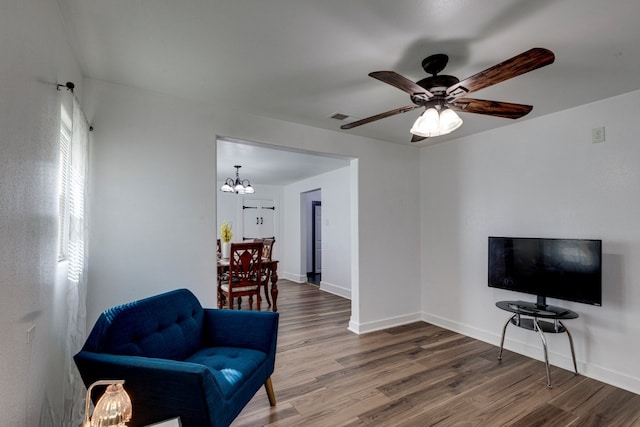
(533, 313)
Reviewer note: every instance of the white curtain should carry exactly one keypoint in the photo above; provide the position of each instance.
(73, 387)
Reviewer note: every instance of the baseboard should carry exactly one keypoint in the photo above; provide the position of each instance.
(293, 277)
(363, 328)
(560, 360)
(335, 290)
(469, 331)
(564, 361)
(612, 377)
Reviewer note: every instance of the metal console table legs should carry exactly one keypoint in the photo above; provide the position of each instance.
(539, 326)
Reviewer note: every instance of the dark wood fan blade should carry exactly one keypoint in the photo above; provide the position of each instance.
(519, 64)
(401, 82)
(416, 138)
(507, 110)
(379, 116)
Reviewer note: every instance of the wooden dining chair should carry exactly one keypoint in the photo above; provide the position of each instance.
(245, 276)
(267, 250)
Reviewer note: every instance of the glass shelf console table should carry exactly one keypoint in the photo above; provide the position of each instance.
(532, 313)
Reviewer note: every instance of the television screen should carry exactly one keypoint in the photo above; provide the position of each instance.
(568, 269)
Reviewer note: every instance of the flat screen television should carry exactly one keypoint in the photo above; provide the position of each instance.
(566, 269)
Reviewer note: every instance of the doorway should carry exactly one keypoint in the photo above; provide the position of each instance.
(286, 176)
(313, 221)
(316, 241)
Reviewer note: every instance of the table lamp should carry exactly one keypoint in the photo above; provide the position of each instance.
(113, 408)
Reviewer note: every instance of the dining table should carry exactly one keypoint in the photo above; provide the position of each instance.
(270, 274)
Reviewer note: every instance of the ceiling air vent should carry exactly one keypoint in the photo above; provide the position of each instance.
(339, 116)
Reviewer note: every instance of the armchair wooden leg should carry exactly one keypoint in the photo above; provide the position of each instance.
(270, 394)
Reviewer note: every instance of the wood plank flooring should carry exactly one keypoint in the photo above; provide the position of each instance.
(415, 375)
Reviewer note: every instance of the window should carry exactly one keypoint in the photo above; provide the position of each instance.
(64, 177)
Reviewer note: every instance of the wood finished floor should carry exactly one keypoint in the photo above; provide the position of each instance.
(415, 375)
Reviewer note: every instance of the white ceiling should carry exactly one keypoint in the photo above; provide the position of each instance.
(301, 61)
(264, 165)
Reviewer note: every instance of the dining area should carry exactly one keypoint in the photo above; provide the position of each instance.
(247, 270)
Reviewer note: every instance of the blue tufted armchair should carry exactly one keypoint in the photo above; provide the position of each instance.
(180, 360)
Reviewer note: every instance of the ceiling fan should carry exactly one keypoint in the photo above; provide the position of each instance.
(443, 95)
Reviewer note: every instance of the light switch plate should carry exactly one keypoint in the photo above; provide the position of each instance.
(597, 135)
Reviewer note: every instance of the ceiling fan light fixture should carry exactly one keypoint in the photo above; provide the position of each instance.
(449, 121)
(433, 123)
(427, 124)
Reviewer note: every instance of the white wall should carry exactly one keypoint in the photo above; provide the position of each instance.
(153, 162)
(539, 178)
(153, 203)
(34, 57)
(228, 209)
(336, 229)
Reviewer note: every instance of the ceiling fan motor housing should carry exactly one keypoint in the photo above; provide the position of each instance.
(436, 85)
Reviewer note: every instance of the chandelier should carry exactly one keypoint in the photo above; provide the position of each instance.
(237, 186)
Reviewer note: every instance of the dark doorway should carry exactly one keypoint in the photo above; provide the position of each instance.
(315, 275)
